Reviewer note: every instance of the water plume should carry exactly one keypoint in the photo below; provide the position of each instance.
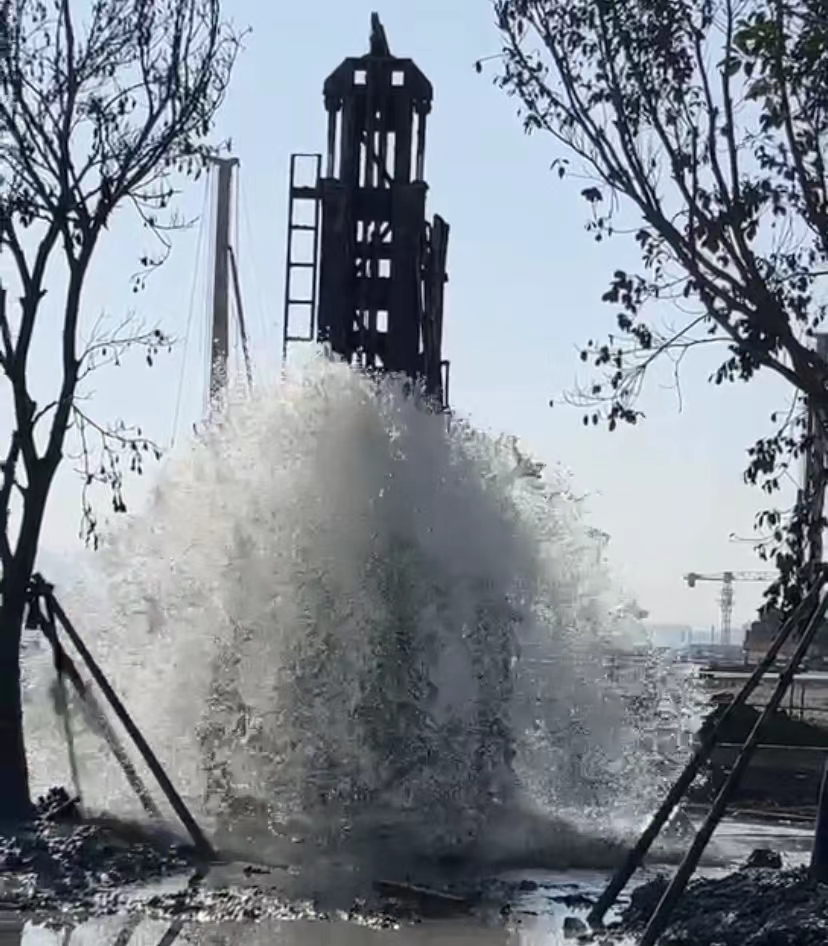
(339, 609)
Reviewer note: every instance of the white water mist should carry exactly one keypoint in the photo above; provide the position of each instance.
(339, 602)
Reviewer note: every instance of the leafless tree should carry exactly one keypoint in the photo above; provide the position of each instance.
(102, 104)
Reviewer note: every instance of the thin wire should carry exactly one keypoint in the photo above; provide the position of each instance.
(177, 412)
(257, 289)
(237, 340)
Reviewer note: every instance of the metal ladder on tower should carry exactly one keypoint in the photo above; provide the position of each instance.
(302, 196)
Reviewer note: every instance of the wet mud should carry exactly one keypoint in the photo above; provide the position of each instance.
(77, 868)
(755, 906)
(107, 867)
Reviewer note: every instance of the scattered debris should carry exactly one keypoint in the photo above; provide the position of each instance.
(574, 901)
(58, 805)
(410, 900)
(764, 857)
(574, 926)
(55, 863)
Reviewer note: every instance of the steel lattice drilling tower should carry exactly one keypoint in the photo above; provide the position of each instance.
(365, 270)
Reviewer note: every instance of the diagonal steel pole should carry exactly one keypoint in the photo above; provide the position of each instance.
(637, 853)
(95, 716)
(202, 845)
(660, 918)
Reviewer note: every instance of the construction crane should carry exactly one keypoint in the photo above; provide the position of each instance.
(726, 598)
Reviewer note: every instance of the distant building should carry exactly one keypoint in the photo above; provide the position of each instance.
(694, 644)
(728, 654)
(761, 633)
(674, 636)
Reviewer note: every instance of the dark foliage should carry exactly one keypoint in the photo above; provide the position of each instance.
(708, 120)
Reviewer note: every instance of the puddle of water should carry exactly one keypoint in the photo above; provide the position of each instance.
(522, 930)
(737, 839)
(536, 916)
(540, 902)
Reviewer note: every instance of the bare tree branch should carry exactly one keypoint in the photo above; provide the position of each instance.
(96, 111)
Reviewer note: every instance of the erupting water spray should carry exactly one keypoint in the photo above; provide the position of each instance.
(340, 609)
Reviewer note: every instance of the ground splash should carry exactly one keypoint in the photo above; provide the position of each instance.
(73, 873)
(109, 868)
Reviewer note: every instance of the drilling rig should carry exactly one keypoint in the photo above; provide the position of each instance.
(366, 271)
(726, 597)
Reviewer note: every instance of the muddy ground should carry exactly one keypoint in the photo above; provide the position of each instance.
(95, 870)
(751, 907)
(104, 868)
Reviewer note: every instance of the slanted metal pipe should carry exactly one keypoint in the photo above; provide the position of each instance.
(96, 718)
(661, 917)
(685, 780)
(202, 845)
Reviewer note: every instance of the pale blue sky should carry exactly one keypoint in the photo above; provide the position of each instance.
(526, 282)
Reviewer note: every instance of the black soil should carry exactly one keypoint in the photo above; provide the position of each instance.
(60, 864)
(780, 730)
(781, 786)
(752, 907)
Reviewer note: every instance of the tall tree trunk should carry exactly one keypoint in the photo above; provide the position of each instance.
(15, 803)
(15, 800)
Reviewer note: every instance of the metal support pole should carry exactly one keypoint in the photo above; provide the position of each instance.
(174, 930)
(96, 717)
(202, 845)
(819, 852)
(63, 708)
(220, 326)
(685, 780)
(661, 917)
